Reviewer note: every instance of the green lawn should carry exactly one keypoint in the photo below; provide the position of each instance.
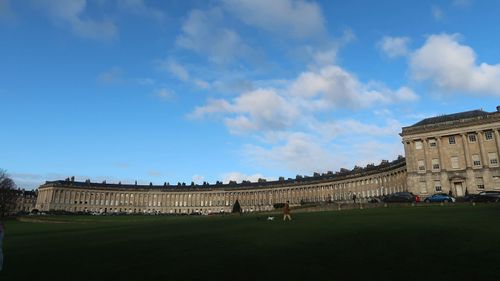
(400, 243)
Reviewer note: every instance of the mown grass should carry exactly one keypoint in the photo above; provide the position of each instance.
(455, 242)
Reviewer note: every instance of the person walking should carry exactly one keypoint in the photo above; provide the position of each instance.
(2, 230)
(354, 198)
(286, 211)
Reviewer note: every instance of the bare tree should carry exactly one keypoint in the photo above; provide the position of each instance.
(7, 194)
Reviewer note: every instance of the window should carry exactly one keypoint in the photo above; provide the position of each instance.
(493, 158)
(476, 161)
(435, 164)
(437, 186)
(472, 137)
(421, 166)
(480, 183)
(418, 144)
(432, 143)
(454, 162)
(451, 139)
(488, 135)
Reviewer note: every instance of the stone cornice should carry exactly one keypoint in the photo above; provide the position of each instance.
(455, 124)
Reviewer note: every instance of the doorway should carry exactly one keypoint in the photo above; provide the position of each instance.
(459, 189)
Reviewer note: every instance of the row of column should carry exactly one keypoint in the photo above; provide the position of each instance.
(381, 184)
(464, 136)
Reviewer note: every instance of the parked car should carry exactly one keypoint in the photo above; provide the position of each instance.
(486, 196)
(374, 200)
(439, 197)
(469, 197)
(401, 197)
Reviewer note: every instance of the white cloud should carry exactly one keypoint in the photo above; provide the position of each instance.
(405, 94)
(346, 127)
(437, 13)
(266, 110)
(462, 3)
(452, 66)
(288, 119)
(176, 69)
(239, 177)
(197, 179)
(338, 88)
(165, 94)
(138, 7)
(111, 76)
(180, 72)
(154, 173)
(295, 18)
(212, 106)
(261, 109)
(285, 124)
(69, 13)
(205, 33)
(28, 180)
(327, 55)
(145, 81)
(122, 165)
(372, 151)
(202, 84)
(394, 47)
(300, 153)
(305, 153)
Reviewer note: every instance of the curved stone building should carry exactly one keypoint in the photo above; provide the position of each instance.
(68, 195)
(456, 153)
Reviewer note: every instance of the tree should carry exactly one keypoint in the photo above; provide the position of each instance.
(7, 194)
(236, 207)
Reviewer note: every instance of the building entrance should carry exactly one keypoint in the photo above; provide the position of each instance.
(459, 192)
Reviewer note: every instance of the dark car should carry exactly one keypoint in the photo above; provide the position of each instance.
(486, 196)
(374, 200)
(401, 197)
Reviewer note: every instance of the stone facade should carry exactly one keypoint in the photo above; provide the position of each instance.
(25, 200)
(457, 153)
(72, 196)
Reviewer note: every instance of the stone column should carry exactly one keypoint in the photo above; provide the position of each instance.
(52, 196)
(441, 162)
(427, 161)
(484, 160)
(409, 155)
(465, 142)
(497, 140)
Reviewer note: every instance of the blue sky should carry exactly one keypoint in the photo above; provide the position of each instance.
(169, 91)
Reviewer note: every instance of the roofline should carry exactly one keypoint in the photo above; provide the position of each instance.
(361, 172)
(458, 123)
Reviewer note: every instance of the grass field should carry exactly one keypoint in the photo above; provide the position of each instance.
(455, 242)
